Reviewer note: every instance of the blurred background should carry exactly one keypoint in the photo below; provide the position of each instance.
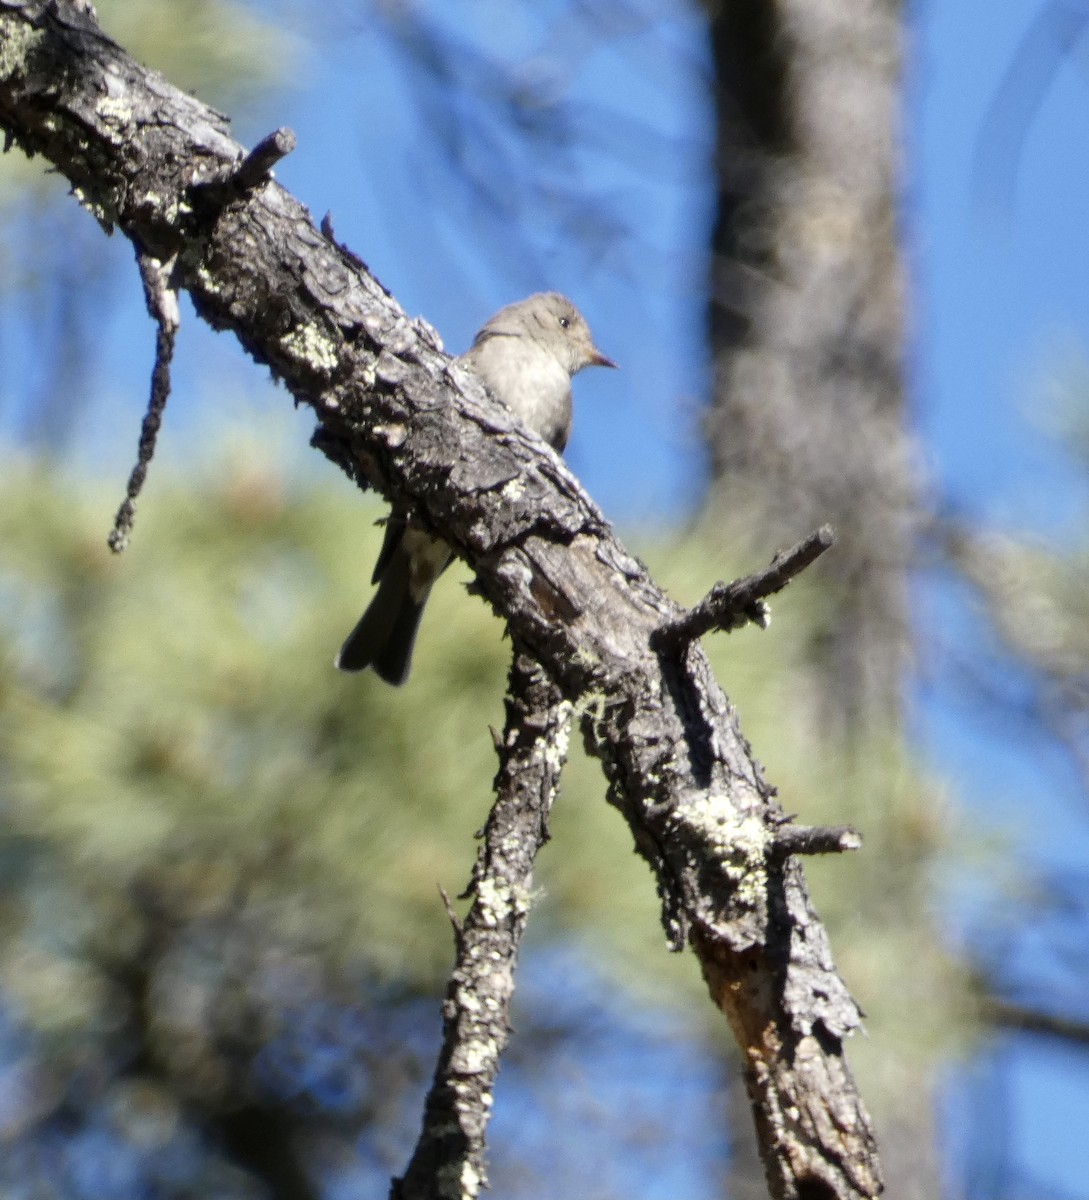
(839, 250)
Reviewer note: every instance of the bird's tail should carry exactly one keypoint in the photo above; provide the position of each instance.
(384, 637)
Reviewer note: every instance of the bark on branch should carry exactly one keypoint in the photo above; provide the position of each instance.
(402, 418)
(729, 606)
(476, 1021)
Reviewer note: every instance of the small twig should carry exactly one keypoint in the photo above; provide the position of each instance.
(729, 606)
(455, 920)
(246, 175)
(257, 166)
(476, 1012)
(815, 839)
(162, 304)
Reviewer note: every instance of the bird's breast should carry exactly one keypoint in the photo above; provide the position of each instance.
(529, 381)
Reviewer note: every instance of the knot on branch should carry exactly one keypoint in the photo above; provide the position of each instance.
(729, 606)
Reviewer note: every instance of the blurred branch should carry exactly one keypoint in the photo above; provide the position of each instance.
(1054, 31)
(476, 1014)
(256, 1133)
(428, 437)
(1033, 601)
(1031, 1020)
(510, 140)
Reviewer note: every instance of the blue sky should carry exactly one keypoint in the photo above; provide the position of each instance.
(1001, 311)
(998, 265)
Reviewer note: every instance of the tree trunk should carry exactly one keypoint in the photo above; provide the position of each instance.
(807, 416)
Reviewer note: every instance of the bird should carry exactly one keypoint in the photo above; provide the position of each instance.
(526, 356)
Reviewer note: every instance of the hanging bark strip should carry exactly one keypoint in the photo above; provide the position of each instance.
(162, 304)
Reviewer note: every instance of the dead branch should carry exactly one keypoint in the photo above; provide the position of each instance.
(476, 1013)
(138, 152)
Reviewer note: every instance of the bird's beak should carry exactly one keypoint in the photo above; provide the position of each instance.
(597, 359)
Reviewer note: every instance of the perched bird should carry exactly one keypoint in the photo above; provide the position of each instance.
(525, 356)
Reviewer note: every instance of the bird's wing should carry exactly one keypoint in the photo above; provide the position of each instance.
(395, 530)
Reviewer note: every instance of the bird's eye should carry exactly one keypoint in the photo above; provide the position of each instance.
(565, 322)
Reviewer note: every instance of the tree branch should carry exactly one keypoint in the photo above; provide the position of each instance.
(729, 606)
(476, 1020)
(420, 430)
(815, 839)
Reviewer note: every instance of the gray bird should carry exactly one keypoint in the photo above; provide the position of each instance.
(525, 356)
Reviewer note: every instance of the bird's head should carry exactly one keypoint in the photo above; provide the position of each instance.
(557, 325)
